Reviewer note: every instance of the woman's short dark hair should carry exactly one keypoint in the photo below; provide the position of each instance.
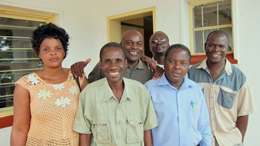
(49, 30)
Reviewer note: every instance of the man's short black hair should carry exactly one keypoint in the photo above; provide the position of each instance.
(221, 32)
(178, 46)
(49, 30)
(111, 44)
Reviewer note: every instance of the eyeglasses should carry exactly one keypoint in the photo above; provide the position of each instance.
(156, 41)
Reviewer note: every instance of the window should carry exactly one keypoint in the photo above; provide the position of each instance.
(17, 58)
(207, 16)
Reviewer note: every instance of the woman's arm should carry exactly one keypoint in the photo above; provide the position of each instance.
(22, 116)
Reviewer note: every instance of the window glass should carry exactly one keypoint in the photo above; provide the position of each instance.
(17, 58)
(225, 12)
(207, 17)
(197, 16)
(198, 41)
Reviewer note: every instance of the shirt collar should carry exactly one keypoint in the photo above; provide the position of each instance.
(139, 65)
(109, 93)
(186, 83)
(228, 67)
(203, 64)
(164, 81)
(161, 65)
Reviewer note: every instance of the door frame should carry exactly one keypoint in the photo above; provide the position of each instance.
(114, 22)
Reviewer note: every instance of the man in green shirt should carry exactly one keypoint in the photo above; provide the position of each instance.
(115, 110)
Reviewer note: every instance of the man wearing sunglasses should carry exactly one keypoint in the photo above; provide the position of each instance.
(159, 43)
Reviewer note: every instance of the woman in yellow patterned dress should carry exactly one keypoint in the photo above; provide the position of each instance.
(46, 101)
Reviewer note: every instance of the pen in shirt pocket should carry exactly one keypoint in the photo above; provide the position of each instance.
(193, 104)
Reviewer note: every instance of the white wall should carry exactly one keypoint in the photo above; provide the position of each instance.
(248, 41)
(85, 22)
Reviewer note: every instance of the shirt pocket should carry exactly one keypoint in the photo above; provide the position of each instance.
(134, 128)
(101, 129)
(226, 98)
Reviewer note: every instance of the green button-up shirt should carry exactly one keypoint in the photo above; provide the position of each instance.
(111, 122)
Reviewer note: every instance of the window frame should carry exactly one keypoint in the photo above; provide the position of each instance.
(198, 57)
(6, 114)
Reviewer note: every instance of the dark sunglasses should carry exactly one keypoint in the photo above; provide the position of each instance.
(156, 41)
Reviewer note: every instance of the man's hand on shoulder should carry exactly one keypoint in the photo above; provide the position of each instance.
(77, 68)
(149, 62)
(158, 72)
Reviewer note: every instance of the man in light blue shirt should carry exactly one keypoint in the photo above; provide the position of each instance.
(179, 104)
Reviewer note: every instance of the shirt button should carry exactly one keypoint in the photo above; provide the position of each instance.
(212, 119)
(211, 108)
(211, 96)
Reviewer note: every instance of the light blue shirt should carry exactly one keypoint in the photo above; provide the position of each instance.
(182, 114)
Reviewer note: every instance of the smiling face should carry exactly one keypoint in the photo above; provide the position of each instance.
(216, 48)
(51, 52)
(176, 66)
(113, 64)
(132, 41)
(159, 43)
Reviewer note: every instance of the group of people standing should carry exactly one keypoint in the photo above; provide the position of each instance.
(132, 99)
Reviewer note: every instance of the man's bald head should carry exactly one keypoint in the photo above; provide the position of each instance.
(131, 32)
(132, 41)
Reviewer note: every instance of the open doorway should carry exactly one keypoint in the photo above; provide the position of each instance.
(142, 20)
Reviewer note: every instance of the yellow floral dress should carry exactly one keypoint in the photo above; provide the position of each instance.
(53, 108)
